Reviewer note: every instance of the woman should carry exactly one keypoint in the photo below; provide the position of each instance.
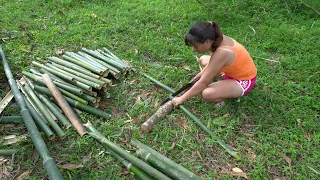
(229, 62)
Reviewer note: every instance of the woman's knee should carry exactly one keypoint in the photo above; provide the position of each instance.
(208, 95)
(204, 60)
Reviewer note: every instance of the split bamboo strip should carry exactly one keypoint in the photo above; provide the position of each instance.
(132, 168)
(48, 162)
(43, 110)
(197, 121)
(38, 79)
(100, 72)
(64, 105)
(11, 119)
(102, 83)
(62, 76)
(39, 121)
(55, 111)
(77, 78)
(7, 152)
(129, 157)
(146, 149)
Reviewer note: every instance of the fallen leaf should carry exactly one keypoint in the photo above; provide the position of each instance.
(226, 115)
(285, 157)
(71, 166)
(261, 107)
(59, 52)
(182, 123)
(199, 155)
(173, 144)
(299, 123)
(253, 156)
(35, 156)
(307, 135)
(25, 174)
(238, 172)
(114, 111)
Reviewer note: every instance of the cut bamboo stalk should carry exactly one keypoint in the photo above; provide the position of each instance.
(63, 76)
(77, 78)
(161, 113)
(39, 80)
(113, 62)
(76, 104)
(7, 152)
(94, 63)
(93, 69)
(43, 110)
(11, 119)
(129, 157)
(39, 120)
(48, 162)
(91, 93)
(100, 82)
(115, 58)
(197, 121)
(130, 167)
(74, 67)
(145, 150)
(64, 105)
(55, 111)
(107, 60)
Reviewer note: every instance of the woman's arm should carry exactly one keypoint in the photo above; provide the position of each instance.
(217, 61)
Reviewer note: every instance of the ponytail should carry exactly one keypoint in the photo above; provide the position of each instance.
(202, 31)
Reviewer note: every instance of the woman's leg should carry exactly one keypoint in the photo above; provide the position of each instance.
(221, 90)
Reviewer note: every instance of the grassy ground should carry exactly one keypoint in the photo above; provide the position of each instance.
(275, 128)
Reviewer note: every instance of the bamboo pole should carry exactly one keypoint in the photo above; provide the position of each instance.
(197, 121)
(31, 95)
(11, 119)
(48, 162)
(55, 111)
(90, 63)
(100, 72)
(76, 104)
(61, 75)
(130, 167)
(64, 105)
(39, 121)
(147, 152)
(7, 152)
(129, 157)
(66, 87)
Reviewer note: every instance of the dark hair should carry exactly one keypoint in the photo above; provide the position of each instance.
(202, 31)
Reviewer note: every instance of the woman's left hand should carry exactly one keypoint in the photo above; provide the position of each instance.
(177, 101)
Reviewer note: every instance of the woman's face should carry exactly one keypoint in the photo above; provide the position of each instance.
(202, 47)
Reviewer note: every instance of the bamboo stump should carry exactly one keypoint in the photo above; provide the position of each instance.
(156, 117)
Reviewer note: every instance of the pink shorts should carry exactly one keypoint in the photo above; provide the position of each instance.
(246, 85)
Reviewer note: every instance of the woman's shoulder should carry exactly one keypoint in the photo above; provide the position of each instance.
(227, 41)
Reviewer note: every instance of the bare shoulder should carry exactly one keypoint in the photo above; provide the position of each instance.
(222, 56)
(227, 41)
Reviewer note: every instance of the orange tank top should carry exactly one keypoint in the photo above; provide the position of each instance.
(243, 67)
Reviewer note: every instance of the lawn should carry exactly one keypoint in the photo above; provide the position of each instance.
(275, 128)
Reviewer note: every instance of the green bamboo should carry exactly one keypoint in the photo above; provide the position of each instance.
(39, 80)
(129, 157)
(43, 110)
(119, 64)
(61, 75)
(132, 168)
(158, 160)
(75, 97)
(108, 53)
(39, 121)
(77, 78)
(100, 72)
(197, 121)
(48, 162)
(76, 73)
(91, 93)
(7, 152)
(89, 61)
(55, 111)
(76, 104)
(107, 60)
(69, 64)
(11, 119)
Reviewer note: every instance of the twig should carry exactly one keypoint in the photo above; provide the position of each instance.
(266, 59)
(314, 170)
(311, 8)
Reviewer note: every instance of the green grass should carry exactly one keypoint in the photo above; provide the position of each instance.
(149, 34)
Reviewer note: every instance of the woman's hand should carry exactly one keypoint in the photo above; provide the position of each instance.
(177, 101)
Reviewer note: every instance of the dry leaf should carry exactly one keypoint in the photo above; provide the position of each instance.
(134, 81)
(59, 52)
(199, 155)
(25, 174)
(253, 156)
(182, 123)
(173, 144)
(308, 136)
(114, 111)
(35, 156)
(71, 166)
(124, 172)
(238, 172)
(286, 158)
